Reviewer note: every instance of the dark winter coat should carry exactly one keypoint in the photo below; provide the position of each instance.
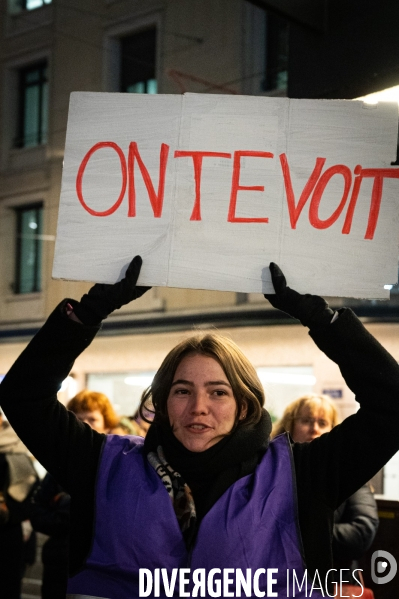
(17, 481)
(355, 525)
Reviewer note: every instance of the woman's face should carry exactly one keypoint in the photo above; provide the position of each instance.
(311, 423)
(201, 405)
(95, 419)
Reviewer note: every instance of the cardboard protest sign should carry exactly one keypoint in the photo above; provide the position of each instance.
(209, 189)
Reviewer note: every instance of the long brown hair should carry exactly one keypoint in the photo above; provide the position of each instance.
(242, 376)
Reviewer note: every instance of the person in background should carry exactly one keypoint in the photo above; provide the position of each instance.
(356, 519)
(29, 546)
(96, 410)
(143, 423)
(50, 516)
(128, 426)
(17, 482)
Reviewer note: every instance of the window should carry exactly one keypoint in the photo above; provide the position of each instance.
(265, 51)
(283, 384)
(123, 389)
(277, 30)
(29, 249)
(391, 479)
(138, 57)
(33, 106)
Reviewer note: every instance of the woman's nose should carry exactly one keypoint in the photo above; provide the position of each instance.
(199, 403)
(315, 428)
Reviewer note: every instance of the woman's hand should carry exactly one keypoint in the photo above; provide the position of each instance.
(103, 299)
(311, 310)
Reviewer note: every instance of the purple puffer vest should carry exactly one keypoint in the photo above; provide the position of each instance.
(253, 525)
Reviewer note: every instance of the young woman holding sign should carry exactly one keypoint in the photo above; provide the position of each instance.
(205, 490)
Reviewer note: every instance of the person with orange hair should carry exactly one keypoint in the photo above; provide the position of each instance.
(95, 409)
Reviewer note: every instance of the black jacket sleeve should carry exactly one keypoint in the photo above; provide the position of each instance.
(355, 525)
(67, 448)
(28, 396)
(334, 466)
(343, 460)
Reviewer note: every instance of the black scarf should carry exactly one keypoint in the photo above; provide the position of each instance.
(210, 473)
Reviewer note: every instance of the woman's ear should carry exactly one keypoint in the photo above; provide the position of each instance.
(244, 410)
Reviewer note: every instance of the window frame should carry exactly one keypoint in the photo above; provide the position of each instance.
(41, 132)
(38, 253)
(123, 84)
(273, 23)
(112, 49)
(257, 78)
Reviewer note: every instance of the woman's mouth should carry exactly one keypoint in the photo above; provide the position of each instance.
(198, 428)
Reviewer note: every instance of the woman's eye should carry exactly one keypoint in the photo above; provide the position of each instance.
(220, 392)
(181, 391)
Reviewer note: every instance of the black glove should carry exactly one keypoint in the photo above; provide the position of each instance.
(103, 299)
(311, 310)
